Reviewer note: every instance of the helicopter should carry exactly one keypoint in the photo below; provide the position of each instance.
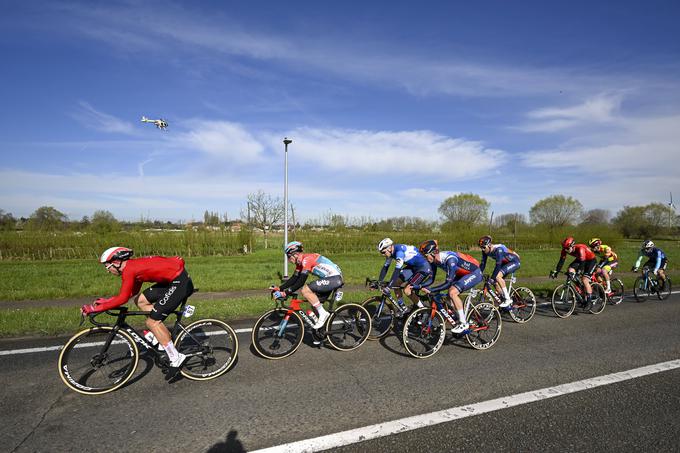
(160, 123)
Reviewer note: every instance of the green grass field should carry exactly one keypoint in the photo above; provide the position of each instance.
(38, 280)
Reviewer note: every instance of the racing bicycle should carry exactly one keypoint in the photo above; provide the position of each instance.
(567, 295)
(279, 332)
(425, 328)
(103, 358)
(647, 285)
(617, 293)
(523, 305)
(384, 310)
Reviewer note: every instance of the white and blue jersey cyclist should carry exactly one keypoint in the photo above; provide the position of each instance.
(656, 260)
(507, 262)
(410, 267)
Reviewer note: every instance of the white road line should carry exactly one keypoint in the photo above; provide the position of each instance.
(456, 413)
(59, 347)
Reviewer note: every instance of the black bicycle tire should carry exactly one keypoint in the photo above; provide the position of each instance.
(570, 291)
(474, 321)
(66, 375)
(186, 370)
(331, 332)
(532, 310)
(376, 327)
(405, 334)
(296, 344)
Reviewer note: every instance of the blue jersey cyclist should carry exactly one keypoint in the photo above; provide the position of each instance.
(462, 274)
(410, 267)
(656, 260)
(507, 262)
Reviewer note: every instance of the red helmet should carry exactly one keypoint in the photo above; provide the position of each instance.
(115, 254)
(568, 242)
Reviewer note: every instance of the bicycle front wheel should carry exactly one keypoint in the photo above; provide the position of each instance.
(424, 333)
(210, 346)
(485, 326)
(598, 299)
(665, 290)
(641, 289)
(523, 305)
(98, 360)
(382, 317)
(617, 293)
(563, 301)
(348, 327)
(278, 334)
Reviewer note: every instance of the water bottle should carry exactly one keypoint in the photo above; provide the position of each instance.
(312, 316)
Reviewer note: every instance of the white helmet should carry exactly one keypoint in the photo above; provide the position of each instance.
(115, 253)
(647, 245)
(384, 244)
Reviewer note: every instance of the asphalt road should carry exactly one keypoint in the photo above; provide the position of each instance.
(261, 403)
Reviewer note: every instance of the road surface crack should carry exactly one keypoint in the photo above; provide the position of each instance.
(42, 419)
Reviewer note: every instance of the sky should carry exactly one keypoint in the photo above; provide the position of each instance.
(392, 106)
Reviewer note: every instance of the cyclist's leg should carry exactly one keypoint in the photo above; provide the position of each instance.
(460, 285)
(662, 270)
(507, 268)
(416, 279)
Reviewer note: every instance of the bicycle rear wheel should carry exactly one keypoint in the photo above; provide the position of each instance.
(348, 327)
(275, 337)
(598, 299)
(382, 317)
(424, 333)
(523, 305)
(210, 346)
(485, 326)
(617, 294)
(641, 289)
(563, 301)
(97, 360)
(665, 290)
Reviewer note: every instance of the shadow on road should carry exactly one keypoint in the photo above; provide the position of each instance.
(230, 445)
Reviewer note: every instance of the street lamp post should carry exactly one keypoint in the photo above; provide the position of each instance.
(286, 142)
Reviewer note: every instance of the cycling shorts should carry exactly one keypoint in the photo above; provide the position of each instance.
(166, 297)
(507, 268)
(587, 266)
(608, 266)
(414, 278)
(326, 285)
(468, 281)
(651, 264)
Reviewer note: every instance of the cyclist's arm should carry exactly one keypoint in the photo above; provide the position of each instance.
(385, 268)
(129, 287)
(639, 260)
(293, 283)
(483, 263)
(446, 284)
(657, 266)
(560, 263)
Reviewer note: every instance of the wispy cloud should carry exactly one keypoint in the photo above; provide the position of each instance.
(221, 139)
(97, 120)
(598, 109)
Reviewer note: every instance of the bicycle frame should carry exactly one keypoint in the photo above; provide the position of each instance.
(437, 304)
(490, 287)
(295, 306)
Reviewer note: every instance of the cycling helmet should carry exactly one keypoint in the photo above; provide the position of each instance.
(293, 247)
(116, 254)
(382, 245)
(568, 242)
(429, 247)
(595, 242)
(647, 245)
(484, 241)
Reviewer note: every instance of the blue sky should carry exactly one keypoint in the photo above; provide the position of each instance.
(392, 106)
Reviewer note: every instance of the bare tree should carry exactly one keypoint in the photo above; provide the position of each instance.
(263, 212)
(595, 217)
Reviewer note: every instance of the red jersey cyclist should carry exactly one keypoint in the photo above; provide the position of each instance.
(585, 260)
(330, 278)
(172, 286)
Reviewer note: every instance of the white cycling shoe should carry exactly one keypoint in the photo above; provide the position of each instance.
(322, 320)
(460, 327)
(506, 303)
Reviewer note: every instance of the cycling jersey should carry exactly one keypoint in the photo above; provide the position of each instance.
(656, 257)
(606, 254)
(507, 261)
(405, 257)
(157, 269)
(582, 253)
(461, 269)
(329, 273)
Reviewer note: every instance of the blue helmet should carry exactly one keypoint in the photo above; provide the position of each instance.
(293, 247)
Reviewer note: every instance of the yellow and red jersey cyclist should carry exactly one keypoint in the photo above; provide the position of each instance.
(609, 260)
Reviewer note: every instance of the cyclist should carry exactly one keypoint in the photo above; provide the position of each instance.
(657, 260)
(585, 260)
(330, 279)
(507, 262)
(462, 274)
(172, 286)
(410, 267)
(608, 260)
